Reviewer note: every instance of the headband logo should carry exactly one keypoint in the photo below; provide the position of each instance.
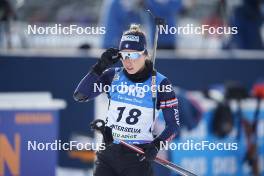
(130, 38)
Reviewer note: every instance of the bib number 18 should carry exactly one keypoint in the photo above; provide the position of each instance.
(132, 119)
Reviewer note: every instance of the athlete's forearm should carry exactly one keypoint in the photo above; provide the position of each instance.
(168, 102)
(90, 85)
(85, 89)
(171, 117)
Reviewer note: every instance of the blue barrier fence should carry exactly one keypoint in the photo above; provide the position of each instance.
(60, 76)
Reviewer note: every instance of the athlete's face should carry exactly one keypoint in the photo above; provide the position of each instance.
(132, 66)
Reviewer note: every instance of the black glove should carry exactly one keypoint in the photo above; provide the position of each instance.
(151, 150)
(108, 58)
(106, 131)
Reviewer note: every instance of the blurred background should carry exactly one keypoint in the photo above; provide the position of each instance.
(218, 79)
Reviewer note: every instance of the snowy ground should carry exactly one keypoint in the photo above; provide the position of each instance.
(61, 171)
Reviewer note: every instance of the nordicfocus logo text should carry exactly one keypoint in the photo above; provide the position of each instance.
(58, 145)
(58, 29)
(139, 90)
(191, 29)
(203, 145)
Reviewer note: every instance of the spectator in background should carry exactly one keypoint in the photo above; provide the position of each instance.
(6, 11)
(167, 9)
(6, 14)
(117, 16)
(248, 18)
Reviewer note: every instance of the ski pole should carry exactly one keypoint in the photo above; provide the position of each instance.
(163, 162)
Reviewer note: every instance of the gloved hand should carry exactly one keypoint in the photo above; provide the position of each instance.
(108, 58)
(151, 150)
(106, 131)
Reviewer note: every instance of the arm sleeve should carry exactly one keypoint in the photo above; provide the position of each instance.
(92, 85)
(168, 102)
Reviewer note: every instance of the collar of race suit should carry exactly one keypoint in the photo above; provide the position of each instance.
(142, 75)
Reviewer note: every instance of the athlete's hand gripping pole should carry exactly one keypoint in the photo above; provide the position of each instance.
(163, 162)
(99, 125)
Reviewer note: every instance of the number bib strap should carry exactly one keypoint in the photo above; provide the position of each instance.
(130, 114)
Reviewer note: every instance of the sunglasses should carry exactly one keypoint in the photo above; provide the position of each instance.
(131, 54)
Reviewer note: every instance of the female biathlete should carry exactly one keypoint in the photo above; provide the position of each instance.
(130, 111)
